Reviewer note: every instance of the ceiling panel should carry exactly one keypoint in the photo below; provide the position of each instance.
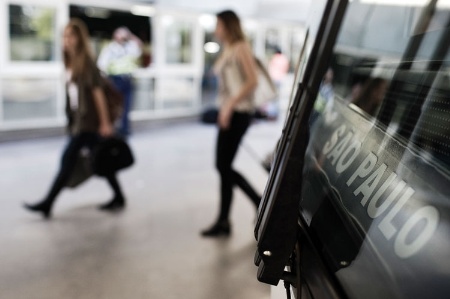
(289, 10)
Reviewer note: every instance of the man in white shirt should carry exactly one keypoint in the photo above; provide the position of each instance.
(118, 60)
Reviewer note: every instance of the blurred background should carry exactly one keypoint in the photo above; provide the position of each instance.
(179, 49)
(153, 249)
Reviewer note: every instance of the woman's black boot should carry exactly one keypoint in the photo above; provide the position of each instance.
(117, 203)
(44, 207)
(217, 230)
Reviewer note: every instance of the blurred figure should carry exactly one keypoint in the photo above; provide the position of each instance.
(87, 115)
(236, 108)
(278, 67)
(326, 90)
(354, 92)
(324, 97)
(118, 60)
(371, 95)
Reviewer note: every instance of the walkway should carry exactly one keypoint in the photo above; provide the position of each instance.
(153, 248)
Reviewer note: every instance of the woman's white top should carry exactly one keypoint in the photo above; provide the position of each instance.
(72, 91)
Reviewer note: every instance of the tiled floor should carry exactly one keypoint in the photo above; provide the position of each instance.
(151, 250)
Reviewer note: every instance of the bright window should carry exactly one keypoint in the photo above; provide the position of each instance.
(32, 33)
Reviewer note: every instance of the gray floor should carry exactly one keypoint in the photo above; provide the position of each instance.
(153, 248)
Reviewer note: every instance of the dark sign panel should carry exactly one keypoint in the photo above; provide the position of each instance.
(378, 206)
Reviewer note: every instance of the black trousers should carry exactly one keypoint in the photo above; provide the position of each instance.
(227, 145)
(76, 143)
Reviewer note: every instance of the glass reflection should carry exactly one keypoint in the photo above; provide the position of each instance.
(178, 40)
(32, 33)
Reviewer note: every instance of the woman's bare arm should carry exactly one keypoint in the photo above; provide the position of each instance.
(106, 128)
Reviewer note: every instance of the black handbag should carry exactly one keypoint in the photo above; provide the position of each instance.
(111, 155)
(82, 170)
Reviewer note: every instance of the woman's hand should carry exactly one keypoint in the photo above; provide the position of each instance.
(225, 114)
(106, 130)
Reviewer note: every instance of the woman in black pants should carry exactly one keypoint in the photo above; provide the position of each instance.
(87, 114)
(236, 70)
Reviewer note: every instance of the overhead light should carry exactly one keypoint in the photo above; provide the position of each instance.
(211, 47)
(143, 10)
(408, 3)
(207, 21)
(167, 20)
(396, 2)
(250, 24)
(96, 12)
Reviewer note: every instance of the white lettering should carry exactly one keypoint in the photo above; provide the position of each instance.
(428, 214)
(386, 226)
(346, 160)
(364, 169)
(369, 185)
(374, 209)
(334, 138)
(339, 148)
(342, 149)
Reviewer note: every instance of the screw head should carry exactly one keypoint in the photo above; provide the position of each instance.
(344, 263)
(267, 253)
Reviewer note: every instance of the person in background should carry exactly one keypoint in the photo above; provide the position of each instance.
(278, 67)
(324, 97)
(371, 95)
(355, 91)
(326, 90)
(118, 60)
(235, 110)
(87, 114)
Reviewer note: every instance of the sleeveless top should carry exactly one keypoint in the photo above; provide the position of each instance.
(232, 77)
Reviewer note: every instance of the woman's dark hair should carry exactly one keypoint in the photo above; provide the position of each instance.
(232, 25)
(83, 63)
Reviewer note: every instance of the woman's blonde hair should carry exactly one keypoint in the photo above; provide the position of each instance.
(83, 61)
(232, 25)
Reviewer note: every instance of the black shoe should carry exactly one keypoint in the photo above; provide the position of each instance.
(217, 230)
(43, 208)
(114, 205)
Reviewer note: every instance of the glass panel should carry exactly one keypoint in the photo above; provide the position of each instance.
(377, 175)
(296, 44)
(272, 43)
(209, 80)
(102, 22)
(178, 40)
(32, 33)
(144, 95)
(180, 97)
(251, 28)
(316, 11)
(27, 99)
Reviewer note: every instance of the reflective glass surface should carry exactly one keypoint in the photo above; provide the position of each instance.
(377, 173)
(181, 97)
(178, 40)
(27, 99)
(32, 33)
